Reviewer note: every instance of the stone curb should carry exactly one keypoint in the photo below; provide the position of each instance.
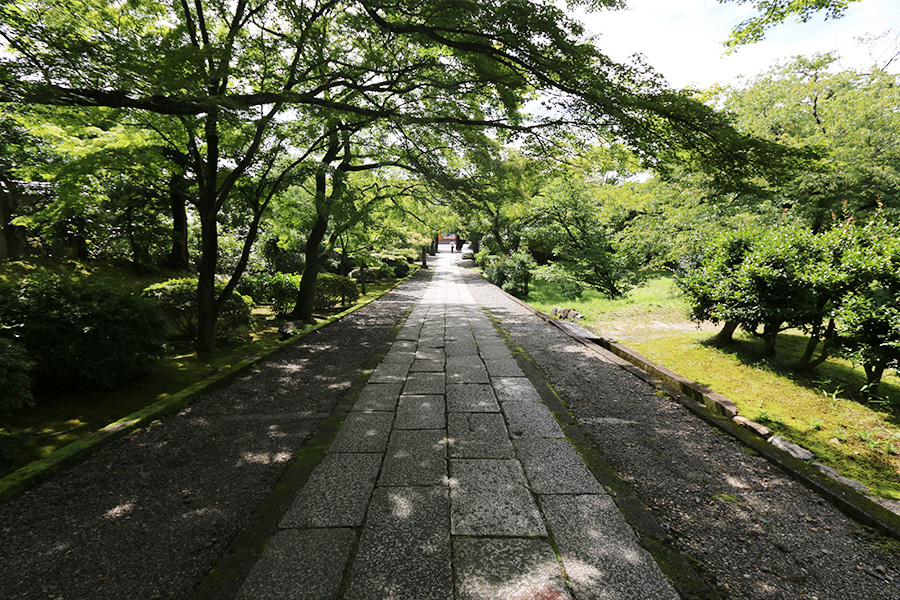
(717, 410)
(38, 470)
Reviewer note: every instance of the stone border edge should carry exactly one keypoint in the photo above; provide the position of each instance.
(716, 409)
(36, 471)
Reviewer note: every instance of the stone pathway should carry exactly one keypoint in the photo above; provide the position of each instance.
(451, 479)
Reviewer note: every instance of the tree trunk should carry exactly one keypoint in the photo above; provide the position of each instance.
(363, 276)
(10, 237)
(770, 335)
(206, 283)
(306, 294)
(873, 379)
(424, 257)
(207, 311)
(179, 257)
(726, 335)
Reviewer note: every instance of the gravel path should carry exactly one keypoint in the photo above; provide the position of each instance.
(147, 516)
(753, 532)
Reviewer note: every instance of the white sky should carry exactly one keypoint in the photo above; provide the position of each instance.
(682, 39)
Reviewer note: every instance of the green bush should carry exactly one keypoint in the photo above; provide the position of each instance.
(332, 290)
(178, 300)
(283, 291)
(15, 384)
(512, 274)
(78, 330)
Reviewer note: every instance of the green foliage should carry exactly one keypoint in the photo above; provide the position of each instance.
(15, 384)
(277, 289)
(77, 330)
(178, 300)
(773, 12)
(569, 287)
(333, 290)
(513, 273)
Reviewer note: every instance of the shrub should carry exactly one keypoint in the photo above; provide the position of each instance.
(87, 331)
(512, 274)
(283, 291)
(332, 290)
(15, 384)
(178, 300)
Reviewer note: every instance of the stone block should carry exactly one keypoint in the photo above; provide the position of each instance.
(554, 467)
(415, 457)
(420, 412)
(530, 420)
(507, 569)
(363, 432)
(471, 397)
(478, 435)
(491, 498)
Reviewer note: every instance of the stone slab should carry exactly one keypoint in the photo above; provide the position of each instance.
(398, 357)
(554, 467)
(378, 396)
(422, 364)
(471, 397)
(404, 345)
(363, 432)
(419, 411)
(478, 435)
(477, 374)
(389, 373)
(491, 498)
(300, 565)
(503, 367)
(430, 354)
(337, 492)
(425, 383)
(530, 420)
(600, 553)
(415, 457)
(404, 551)
(507, 569)
(431, 341)
(498, 350)
(454, 348)
(515, 389)
(468, 361)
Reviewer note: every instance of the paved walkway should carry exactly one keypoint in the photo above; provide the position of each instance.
(451, 479)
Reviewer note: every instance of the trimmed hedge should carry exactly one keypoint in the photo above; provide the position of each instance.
(332, 290)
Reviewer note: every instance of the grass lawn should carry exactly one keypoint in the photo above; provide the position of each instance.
(818, 410)
(60, 417)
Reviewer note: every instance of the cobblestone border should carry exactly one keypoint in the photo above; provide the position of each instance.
(38, 470)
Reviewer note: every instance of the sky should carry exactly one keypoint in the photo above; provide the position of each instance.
(682, 39)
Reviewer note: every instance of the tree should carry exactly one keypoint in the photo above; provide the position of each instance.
(228, 77)
(848, 117)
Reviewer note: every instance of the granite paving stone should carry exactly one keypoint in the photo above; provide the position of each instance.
(404, 550)
(423, 364)
(390, 373)
(404, 345)
(430, 354)
(300, 565)
(471, 397)
(477, 374)
(491, 498)
(507, 569)
(420, 411)
(415, 457)
(600, 553)
(424, 383)
(515, 389)
(337, 492)
(399, 357)
(378, 396)
(478, 435)
(503, 367)
(460, 348)
(363, 432)
(530, 420)
(554, 467)
(493, 351)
